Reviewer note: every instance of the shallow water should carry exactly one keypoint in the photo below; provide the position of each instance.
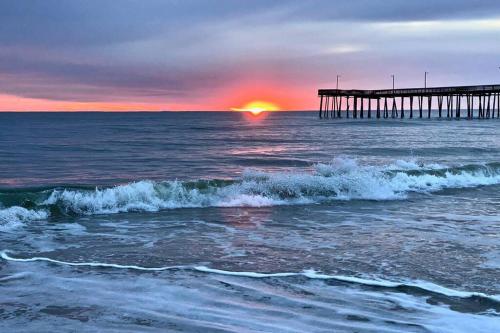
(215, 222)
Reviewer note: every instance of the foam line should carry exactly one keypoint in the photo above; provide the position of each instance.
(311, 274)
(4, 255)
(243, 274)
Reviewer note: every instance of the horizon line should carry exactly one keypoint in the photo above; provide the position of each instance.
(137, 111)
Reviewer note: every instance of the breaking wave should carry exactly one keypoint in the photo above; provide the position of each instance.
(342, 179)
(14, 216)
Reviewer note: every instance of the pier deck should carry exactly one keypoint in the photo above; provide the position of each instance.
(393, 103)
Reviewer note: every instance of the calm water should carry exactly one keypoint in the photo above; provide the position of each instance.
(215, 222)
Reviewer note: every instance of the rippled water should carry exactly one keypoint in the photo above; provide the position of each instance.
(217, 222)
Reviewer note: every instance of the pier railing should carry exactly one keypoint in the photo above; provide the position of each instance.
(485, 99)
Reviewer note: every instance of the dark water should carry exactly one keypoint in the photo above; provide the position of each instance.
(216, 222)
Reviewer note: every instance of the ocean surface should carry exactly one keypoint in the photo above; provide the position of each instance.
(225, 222)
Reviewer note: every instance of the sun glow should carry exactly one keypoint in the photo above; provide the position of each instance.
(257, 107)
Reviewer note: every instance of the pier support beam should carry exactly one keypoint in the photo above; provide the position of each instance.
(471, 106)
(339, 113)
(429, 104)
(483, 114)
(488, 108)
(498, 105)
(493, 108)
(321, 107)
(440, 105)
(348, 105)
(333, 113)
(402, 107)
(394, 111)
(411, 107)
(386, 110)
(420, 104)
(361, 112)
(449, 106)
(480, 113)
(327, 102)
(468, 106)
(355, 109)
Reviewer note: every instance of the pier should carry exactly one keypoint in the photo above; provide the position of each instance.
(467, 102)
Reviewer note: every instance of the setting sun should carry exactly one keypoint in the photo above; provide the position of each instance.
(257, 107)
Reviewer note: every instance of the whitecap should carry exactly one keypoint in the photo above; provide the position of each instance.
(16, 216)
(342, 179)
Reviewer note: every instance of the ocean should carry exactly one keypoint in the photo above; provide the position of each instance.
(226, 222)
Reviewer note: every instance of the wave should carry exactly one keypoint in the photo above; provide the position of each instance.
(14, 216)
(425, 286)
(342, 179)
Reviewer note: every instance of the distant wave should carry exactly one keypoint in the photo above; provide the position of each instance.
(310, 274)
(342, 179)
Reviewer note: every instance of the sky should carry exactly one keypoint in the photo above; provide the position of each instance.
(154, 55)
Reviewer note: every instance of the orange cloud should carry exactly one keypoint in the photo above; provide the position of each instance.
(22, 104)
(287, 97)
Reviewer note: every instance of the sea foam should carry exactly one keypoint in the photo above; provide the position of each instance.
(310, 274)
(342, 179)
(14, 216)
(339, 180)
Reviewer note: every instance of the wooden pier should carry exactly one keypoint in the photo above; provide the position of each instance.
(468, 102)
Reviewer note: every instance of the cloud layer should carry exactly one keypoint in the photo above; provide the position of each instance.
(211, 54)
